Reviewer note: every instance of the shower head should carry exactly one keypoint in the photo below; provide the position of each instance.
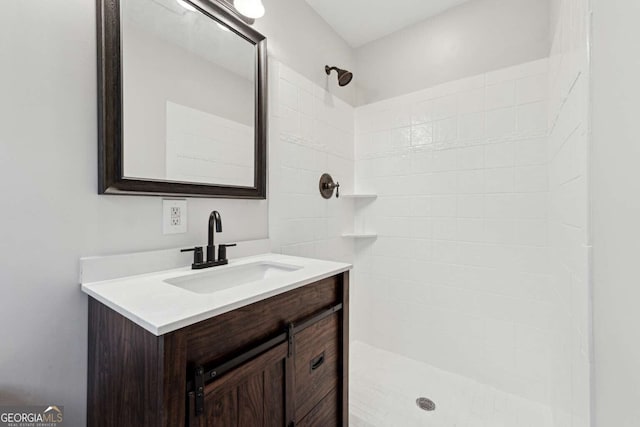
(344, 76)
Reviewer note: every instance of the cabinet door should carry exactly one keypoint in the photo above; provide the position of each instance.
(252, 395)
(325, 413)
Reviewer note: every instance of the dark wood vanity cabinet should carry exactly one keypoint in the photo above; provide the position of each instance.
(278, 362)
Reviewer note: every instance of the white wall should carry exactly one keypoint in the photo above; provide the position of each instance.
(569, 215)
(52, 213)
(476, 37)
(311, 133)
(616, 187)
(458, 277)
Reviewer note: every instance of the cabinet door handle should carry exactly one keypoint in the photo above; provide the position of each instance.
(316, 362)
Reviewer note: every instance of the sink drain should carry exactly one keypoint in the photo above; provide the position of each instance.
(425, 404)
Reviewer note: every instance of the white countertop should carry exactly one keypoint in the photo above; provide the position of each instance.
(160, 307)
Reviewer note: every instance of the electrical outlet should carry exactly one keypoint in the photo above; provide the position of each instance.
(174, 216)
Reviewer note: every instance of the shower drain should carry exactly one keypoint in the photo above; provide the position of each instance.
(425, 404)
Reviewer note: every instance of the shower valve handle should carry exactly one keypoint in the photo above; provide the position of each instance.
(337, 187)
(327, 185)
(333, 185)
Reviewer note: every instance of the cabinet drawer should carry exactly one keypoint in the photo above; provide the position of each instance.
(324, 414)
(317, 370)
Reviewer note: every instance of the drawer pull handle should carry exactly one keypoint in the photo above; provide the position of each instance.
(317, 362)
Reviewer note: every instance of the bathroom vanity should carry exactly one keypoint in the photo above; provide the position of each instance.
(262, 341)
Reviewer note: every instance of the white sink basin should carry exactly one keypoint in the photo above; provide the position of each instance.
(228, 277)
(163, 301)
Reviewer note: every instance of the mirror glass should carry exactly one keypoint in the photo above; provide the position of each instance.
(188, 88)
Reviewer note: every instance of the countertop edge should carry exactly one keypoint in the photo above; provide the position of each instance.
(159, 330)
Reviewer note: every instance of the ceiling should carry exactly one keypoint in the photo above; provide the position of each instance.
(359, 22)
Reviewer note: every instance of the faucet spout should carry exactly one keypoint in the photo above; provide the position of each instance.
(214, 221)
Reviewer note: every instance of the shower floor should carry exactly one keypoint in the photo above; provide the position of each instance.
(384, 388)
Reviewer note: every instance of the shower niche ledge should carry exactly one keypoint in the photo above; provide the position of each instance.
(362, 202)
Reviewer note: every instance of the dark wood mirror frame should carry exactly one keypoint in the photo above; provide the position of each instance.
(111, 179)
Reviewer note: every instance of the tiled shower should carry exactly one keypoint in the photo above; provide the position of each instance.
(459, 275)
(478, 275)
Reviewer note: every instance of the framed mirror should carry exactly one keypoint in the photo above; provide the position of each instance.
(182, 100)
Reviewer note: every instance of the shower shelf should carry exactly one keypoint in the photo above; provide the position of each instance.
(360, 235)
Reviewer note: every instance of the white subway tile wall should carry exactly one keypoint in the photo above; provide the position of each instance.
(570, 245)
(459, 276)
(480, 266)
(311, 132)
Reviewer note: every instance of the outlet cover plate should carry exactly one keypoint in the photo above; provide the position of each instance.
(174, 216)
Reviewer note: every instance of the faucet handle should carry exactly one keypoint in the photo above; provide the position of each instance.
(197, 254)
(222, 251)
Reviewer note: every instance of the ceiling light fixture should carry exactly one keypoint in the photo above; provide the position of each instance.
(186, 5)
(253, 9)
